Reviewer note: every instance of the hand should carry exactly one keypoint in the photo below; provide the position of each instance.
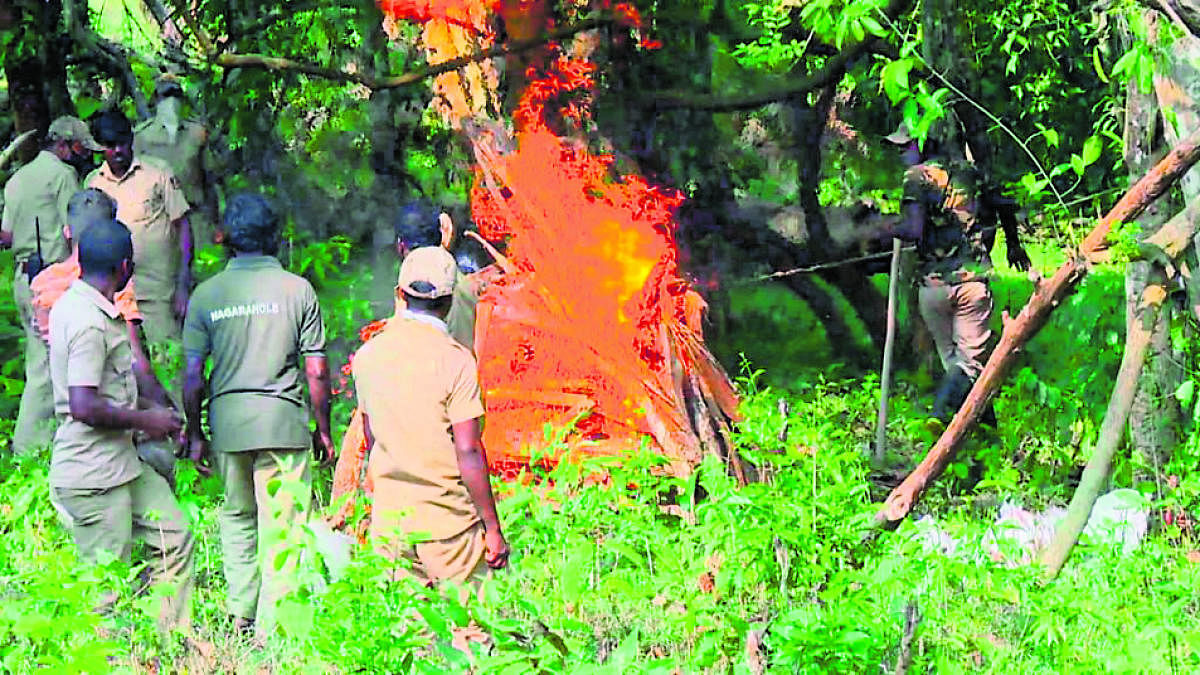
(6, 239)
(1018, 259)
(197, 452)
(323, 448)
(497, 549)
(159, 423)
(179, 301)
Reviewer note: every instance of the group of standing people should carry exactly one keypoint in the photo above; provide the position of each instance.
(103, 278)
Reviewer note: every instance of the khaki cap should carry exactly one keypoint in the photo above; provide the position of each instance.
(428, 272)
(72, 129)
(901, 136)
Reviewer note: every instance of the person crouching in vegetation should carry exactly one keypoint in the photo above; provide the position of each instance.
(95, 471)
(419, 394)
(257, 321)
(950, 215)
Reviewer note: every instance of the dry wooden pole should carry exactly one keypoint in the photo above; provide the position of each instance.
(12, 147)
(885, 376)
(1137, 344)
(1017, 332)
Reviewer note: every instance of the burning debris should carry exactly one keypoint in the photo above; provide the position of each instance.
(592, 327)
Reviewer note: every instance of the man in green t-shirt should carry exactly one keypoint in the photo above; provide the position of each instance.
(257, 321)
(95, 472)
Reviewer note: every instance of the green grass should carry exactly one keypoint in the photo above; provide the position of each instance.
(648, 574)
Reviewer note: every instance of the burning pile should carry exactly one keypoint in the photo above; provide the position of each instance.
(591, 328)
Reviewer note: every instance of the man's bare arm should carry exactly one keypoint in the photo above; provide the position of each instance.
(183, 284)
(193, 396)
(149, 388)
(89, 407)
(316, 371)
(472, 464)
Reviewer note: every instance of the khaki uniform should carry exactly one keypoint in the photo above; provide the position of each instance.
(47, 288)
(38, 191)
(954, 262)
(183, 151)
(95, 473)
(149, 200)
(414, 381)
(257, 321)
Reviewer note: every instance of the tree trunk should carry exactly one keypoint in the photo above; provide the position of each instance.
(1155, 417)
(1017, 333)
(1095, 474)
(809, 123)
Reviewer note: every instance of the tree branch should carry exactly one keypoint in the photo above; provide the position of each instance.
(1184, 14)
(830, 73)
(112, 54)
(373, 82)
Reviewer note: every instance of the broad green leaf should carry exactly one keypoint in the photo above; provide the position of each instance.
(1186, 392)
(1091, 150)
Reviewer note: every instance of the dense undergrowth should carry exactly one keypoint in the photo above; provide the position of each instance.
(645, 573)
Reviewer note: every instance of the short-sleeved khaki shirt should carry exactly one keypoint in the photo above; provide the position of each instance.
(39, 191)
(182, 152)
(257, 321)
(149, 201)
(414, 381)
(89, 347)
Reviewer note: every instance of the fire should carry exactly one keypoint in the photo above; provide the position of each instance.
(594, 325)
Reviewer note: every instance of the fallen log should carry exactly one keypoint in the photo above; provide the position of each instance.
(1018, 331)
(1095, 474)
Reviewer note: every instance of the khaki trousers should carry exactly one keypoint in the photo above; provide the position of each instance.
(108, 520)
(267, 493)
(159, 323)
(958, 317)
(35, 418)
(459, 559)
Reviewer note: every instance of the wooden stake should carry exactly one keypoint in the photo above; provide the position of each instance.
(1046, 297)
(885, 376)
(1095, 474)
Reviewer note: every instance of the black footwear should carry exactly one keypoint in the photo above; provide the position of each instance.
(988, 417)
(951, 393)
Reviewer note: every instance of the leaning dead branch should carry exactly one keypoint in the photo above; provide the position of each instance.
(1046, 297)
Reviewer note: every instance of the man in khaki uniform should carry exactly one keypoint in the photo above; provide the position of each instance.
(87, 207)
(419, 225)
(182, 143)
(35, 202)
(419, 394)
(95, 472)
(954, 219)
(257, 321)
(151, 203)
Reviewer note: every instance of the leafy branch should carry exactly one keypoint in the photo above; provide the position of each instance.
(377, 82)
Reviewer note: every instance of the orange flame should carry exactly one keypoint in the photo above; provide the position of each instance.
(595, 322)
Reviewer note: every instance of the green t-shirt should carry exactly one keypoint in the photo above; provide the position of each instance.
(89, 347)
(257, 321)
